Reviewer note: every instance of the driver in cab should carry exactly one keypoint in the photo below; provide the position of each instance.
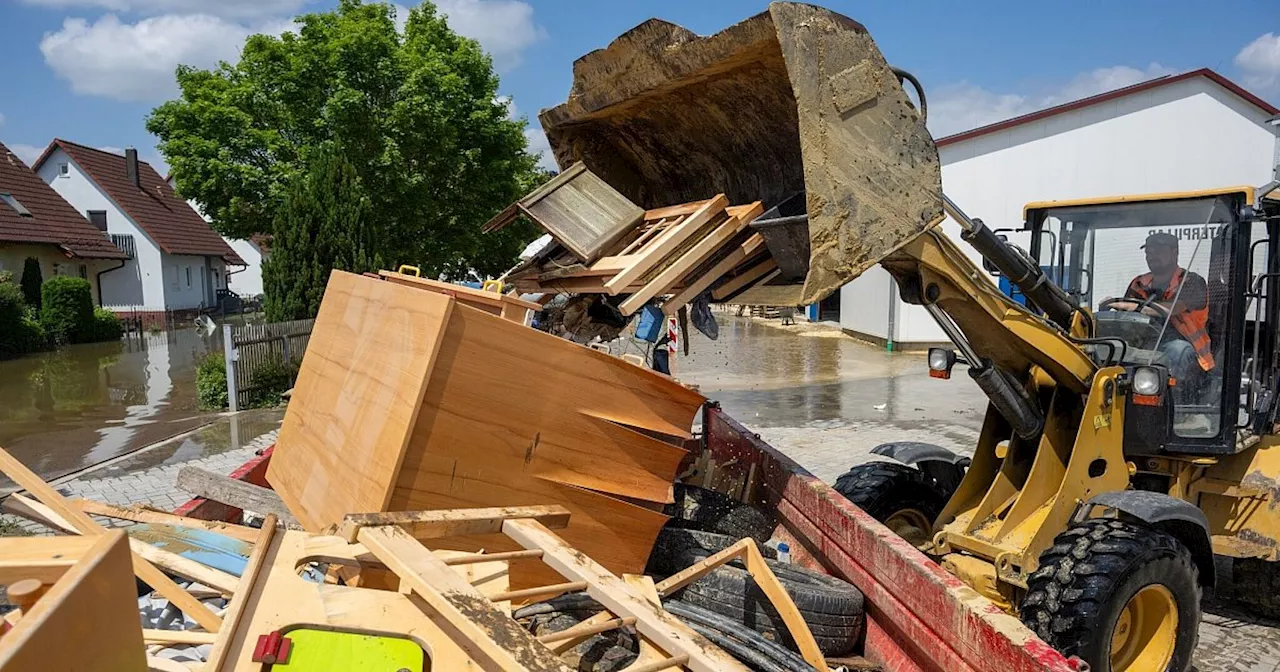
(1170, 292)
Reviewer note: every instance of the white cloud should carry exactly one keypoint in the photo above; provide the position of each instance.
(1260, 62)
(28, 153)
(533, 135)
(136, 61)
(234, 9)
(963, 106)
(505, 28)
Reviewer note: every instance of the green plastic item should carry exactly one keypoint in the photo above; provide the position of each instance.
(329, 651)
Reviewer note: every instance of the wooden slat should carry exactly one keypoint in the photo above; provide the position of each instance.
(473, 558)
(491, 633)
(235, 493)
(357, 398)
(745, 278)
(539, 591)
(83, 524)
(586, 630)
(669, 276)
(675, 210)
(43, 558)
(139, 514)
(665, 244)
(614, 594)
(186, 568)
(453, 522)
(462, 292)
(193, 637)
(245, 594)
(692, 289)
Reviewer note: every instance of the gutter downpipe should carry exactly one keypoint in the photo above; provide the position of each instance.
(101, 273)
(892, 330)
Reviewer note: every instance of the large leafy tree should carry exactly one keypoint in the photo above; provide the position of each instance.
(415, 115)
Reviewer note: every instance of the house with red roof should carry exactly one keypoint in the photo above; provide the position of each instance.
(1186, 132)
(36, 223)
(177, 262)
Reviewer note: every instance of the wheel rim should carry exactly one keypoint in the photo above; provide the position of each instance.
(910, 524)
(1146, 633)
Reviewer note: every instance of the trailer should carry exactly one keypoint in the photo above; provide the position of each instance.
(919, 617)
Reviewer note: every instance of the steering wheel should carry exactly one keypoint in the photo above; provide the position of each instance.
(1149, 303)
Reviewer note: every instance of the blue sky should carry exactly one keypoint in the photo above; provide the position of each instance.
(90, 70)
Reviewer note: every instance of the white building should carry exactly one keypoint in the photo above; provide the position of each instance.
(177, 262)
(247, 281)
(1186, 132)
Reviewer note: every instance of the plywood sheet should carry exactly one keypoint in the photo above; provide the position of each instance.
(357, 397)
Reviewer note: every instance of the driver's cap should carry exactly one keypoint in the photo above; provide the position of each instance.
(1160, 239)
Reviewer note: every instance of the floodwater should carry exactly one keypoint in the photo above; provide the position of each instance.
(83, 404)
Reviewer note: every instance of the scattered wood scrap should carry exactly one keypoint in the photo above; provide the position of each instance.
(235, 493)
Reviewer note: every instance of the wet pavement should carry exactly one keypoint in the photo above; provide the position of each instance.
(827, 399)
(80, 405)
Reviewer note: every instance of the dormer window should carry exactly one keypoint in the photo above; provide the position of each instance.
(64, 169)
(15, 204)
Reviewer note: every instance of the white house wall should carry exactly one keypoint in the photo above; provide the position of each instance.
(1184, 136)
(247, 282)
(188, 281)
(136, 286)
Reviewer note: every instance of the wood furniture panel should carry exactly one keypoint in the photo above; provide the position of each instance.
(357, 397)
(653, 253)
(506, 306)
(693, 288)
(88, 618)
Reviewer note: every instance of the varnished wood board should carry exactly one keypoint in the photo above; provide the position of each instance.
(357, 397)
(706, 279)
(653, 253)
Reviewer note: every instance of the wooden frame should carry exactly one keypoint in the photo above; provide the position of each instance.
(505, 306)
(85, 597)
(692, 289)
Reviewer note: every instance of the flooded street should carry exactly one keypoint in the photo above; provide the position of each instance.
(78, 406)
(826, 399)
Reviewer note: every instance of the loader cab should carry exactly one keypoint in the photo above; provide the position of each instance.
(1179, 287)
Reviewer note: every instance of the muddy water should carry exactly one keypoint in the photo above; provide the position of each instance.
(66, 410)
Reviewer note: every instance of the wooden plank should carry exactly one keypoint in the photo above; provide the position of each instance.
(357, 398)
(192, 637)
(675, 210)
(453, 522)
(614, 594)
(87, 620)
(667, 243)
(186, 568)
(491, 633)
(43, 558)
(62, 511)
(701, 251)
(235, 493)
(692, 289)
(745, 278)
(140, 514)
(247, 592)
(583, 630)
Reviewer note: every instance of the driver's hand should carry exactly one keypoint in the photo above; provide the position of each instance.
(1124, 305)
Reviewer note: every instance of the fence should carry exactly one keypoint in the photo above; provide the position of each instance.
(254, 347)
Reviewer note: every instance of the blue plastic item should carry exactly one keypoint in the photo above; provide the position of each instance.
(652, 324)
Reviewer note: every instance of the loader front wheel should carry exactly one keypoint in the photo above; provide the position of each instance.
(899, 496)
(1123, 597)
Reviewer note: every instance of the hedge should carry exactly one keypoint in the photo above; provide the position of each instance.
(67, 310)
(211, 382)
(19, 334)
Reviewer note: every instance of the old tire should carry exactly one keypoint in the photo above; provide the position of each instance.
(610, 651)
(901, 497)
(677, 548)
(832, 608)
(748, 646)
(709, 511)
(1121, 596)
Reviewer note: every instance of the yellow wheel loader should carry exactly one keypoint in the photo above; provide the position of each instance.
(1129, 449)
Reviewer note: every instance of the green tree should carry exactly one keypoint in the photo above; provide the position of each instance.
(416, 114)
(32, 279)
(325, 222)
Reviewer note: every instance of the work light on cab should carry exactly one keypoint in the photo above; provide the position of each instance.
(1148, 385)
(940, 362)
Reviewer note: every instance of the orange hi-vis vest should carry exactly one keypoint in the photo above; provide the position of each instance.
(1192, 324)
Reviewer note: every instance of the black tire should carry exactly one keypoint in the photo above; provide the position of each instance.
(888, 492)
(748, 646)
(707, 510)
(832, 608)
(1093, 569)
(610, 651)
(677, 548)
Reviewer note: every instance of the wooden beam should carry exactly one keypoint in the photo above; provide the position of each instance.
(140, 514)
(659, 665)
(244, 595)
(452, 522)
(668, 242)
(193, 637)
(83, 524)
(745, 278)
(539, 591)
(669, 276)
(186, 568)
(489, 633)
(675, 210)
(615, 595)
(696, 287)
(474, 558)
(586, 630)
(235, 493)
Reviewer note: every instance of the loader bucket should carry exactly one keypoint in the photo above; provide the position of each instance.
(797, 98)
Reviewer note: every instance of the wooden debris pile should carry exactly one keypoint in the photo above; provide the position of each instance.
(605, 245)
